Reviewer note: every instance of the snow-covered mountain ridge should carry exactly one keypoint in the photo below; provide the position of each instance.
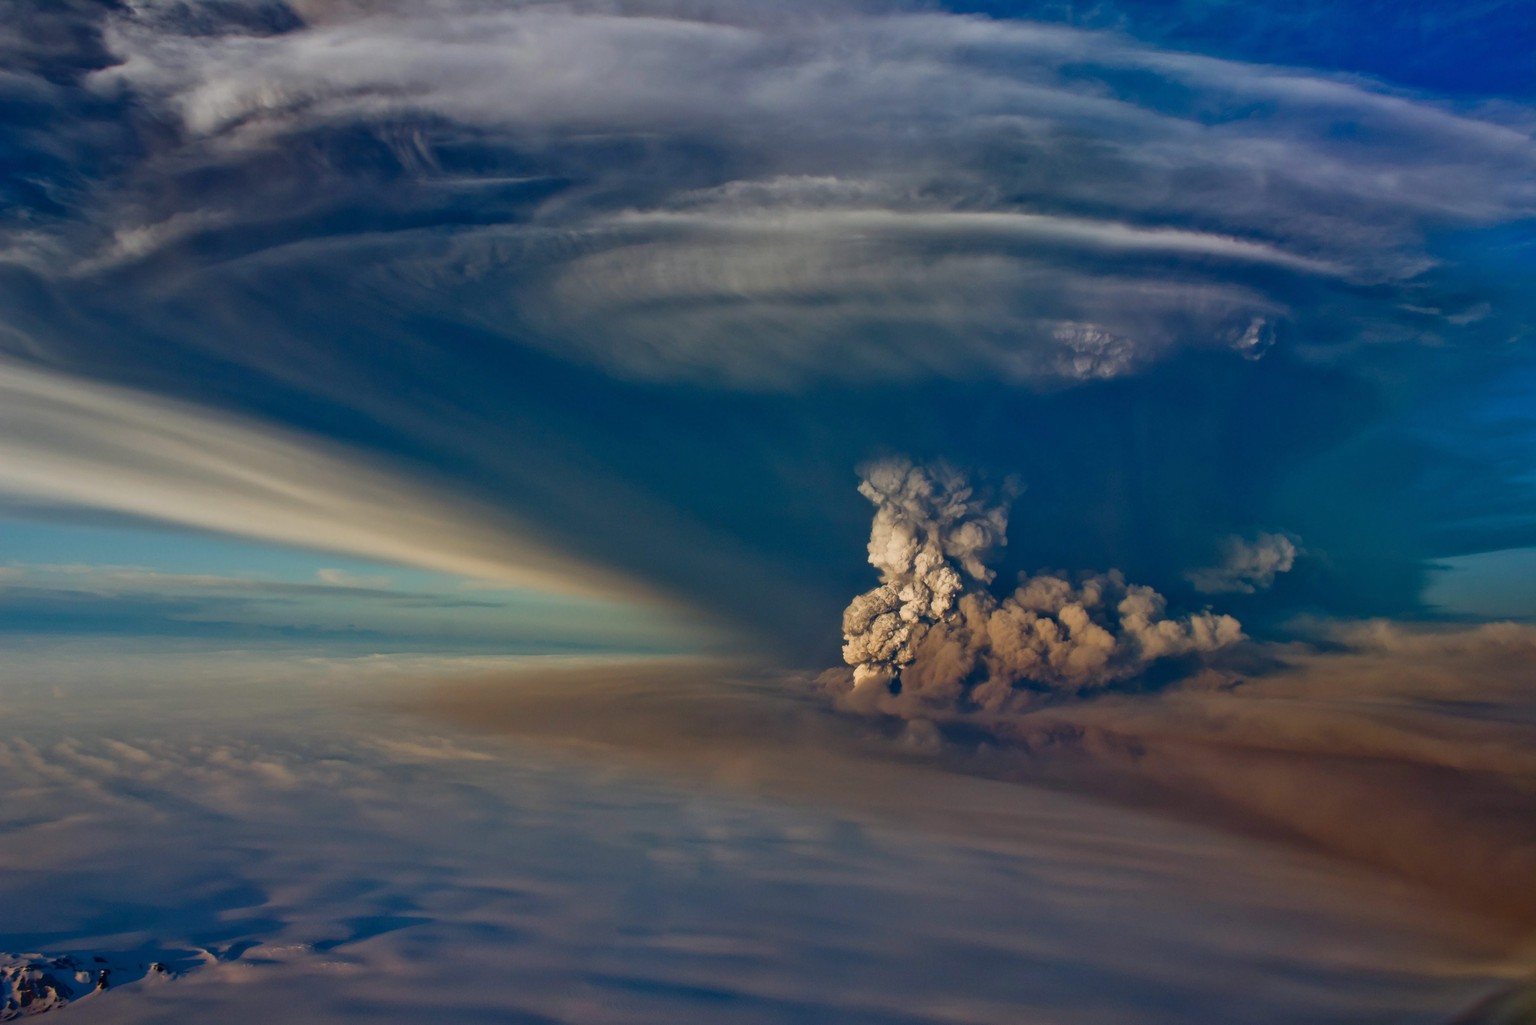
(33, 983)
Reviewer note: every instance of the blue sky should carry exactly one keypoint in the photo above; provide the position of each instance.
(141, 582)
(603, 304)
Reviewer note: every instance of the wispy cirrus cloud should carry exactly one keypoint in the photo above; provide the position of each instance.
(1007, 196)
(72, 442)
(353, 610)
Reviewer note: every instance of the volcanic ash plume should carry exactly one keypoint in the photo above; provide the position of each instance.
(933, 635)
(1247, 566)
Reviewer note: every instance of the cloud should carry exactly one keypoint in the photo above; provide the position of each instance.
(72, 442)
(578, 258)
(341, 859)
(1246, 566)
(1078, 231)
(433, 614)
(869, 193)
(1407, 747)
(779, 298)
(931, 636)
(115, 579)
(1402, 748)
(342, 578)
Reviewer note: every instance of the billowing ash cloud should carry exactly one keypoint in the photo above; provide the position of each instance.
(930, 528)
(933, 636)
(1246, 566)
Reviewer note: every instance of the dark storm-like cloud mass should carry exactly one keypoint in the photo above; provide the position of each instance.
(651, 278)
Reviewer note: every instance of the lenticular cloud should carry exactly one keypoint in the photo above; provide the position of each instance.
(934, 636)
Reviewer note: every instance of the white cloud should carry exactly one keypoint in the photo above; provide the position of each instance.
(68, 441)
(345, 864)
(940, 225)
(342, 578)
(855, 193)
